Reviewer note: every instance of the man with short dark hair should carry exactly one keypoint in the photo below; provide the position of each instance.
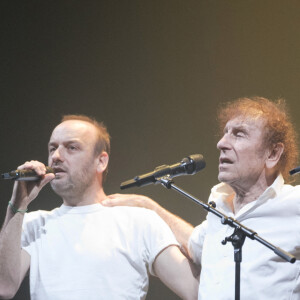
(83, 250)
(257, 150)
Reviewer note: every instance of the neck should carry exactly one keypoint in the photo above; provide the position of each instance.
(245, 194)
(243, 198)
(91, 195)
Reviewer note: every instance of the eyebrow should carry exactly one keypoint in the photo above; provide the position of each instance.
(65, 142)
(51, 144)
(241, 127)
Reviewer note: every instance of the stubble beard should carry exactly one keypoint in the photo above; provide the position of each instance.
(74, 185)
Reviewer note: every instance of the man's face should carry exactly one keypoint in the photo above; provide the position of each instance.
(71, 155)
(242, 152)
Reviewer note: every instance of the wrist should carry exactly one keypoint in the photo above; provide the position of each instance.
(15, 209)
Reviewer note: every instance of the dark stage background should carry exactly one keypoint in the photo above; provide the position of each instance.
(153, 71)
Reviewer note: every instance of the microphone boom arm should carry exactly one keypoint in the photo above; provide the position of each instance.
(169, 184)
(237, 238)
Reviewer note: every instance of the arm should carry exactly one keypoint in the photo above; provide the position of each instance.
(176, 272)
(15, 262)
(181, 229)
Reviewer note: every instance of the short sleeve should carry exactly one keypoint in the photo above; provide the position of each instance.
(27, 232)
(158, 236)
(31, 229)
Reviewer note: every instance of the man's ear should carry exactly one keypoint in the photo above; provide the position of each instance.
(274, 155)
(102, 162)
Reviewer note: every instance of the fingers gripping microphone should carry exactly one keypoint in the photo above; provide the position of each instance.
(25, 175)
(188, 166)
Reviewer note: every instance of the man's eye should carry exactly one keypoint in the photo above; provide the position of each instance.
(240, 134)
(51, 149)
(72, 148)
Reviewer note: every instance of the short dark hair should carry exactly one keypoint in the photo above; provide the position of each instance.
(103, 138)
(278, 126)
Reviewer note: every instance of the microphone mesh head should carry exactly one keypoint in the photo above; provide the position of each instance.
(198, 162)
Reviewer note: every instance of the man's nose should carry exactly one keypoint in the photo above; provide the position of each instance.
(223, 142)
(57, 155)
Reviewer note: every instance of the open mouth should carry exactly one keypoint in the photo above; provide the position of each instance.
(224, 160)
(58, 171)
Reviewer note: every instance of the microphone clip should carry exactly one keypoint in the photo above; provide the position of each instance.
(166, 181)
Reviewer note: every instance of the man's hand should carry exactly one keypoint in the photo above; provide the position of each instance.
(26, 191)
(15, 261)
(181, 229)
(130, 200)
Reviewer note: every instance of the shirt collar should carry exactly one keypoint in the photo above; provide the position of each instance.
(84, 209)
(222, 191)
(276, 185)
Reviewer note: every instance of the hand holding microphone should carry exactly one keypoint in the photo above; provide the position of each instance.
(29, 178)
(26, 174)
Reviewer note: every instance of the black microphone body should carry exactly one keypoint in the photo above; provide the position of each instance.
(295, 171)
(188, 166)
(25, 175)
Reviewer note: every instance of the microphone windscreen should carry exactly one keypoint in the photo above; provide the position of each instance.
(199, 162)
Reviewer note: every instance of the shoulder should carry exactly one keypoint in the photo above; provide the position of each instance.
(134, 213)
(142, 219)
(39, 216)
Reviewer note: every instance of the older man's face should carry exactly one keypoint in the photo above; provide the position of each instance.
(242, 152)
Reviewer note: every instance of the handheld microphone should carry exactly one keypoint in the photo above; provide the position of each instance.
(188, 166)
(295, 171)
(24, 175)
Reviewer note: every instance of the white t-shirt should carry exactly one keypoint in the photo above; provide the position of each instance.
(93, 252)
(275, 216)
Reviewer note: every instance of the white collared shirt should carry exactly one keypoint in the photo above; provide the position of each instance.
(275, 216)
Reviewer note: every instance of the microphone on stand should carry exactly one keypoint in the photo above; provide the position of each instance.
(295, 171)
(25, 175)
(187, 166)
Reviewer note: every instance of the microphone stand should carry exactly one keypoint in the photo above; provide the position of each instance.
(237, 238)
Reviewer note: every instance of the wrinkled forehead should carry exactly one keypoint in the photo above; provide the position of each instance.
(247, 122)
(74, 130)
(248, 113)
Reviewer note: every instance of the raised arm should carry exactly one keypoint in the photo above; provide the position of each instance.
(181, 229)
(15, 262)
